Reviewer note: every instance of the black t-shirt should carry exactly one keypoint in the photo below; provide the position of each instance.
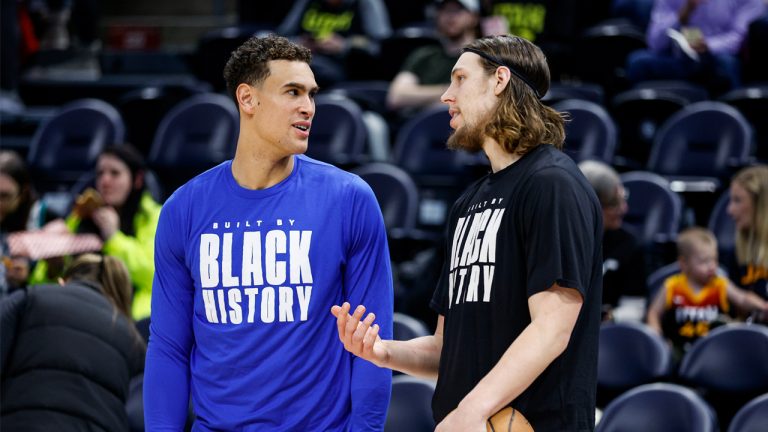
(513, 234)
(624, 269)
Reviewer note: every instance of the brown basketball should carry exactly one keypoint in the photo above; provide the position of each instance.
(508, 420)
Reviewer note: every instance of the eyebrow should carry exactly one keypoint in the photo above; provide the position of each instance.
(302, 87)
(456, 70)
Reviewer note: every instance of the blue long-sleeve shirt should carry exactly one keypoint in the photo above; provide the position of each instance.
(241, 300)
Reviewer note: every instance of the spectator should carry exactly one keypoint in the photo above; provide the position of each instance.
(697, 299)
(713, 32)
(554, 25)
(748, 207)
(124, 214)
(20, 210)
(624, 268)
(426, 72)
(337, 31)
(68, 352)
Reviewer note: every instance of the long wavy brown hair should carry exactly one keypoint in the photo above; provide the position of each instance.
(521, 121)
(752, 243)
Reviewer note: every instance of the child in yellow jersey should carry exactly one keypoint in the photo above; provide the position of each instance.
(698, 298)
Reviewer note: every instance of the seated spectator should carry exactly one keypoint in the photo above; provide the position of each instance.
(697, 299)
(624, 268)
(553, 25)
(710, 33)
(426, 72)
(748, 207)
(69, 352)
(335, 31)
(124, 214)
(20, 210)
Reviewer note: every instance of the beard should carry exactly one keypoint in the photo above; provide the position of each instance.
(469, 137)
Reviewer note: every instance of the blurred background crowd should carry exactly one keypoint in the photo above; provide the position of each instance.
(107, 107)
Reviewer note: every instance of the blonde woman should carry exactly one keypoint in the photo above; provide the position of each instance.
(748, 207)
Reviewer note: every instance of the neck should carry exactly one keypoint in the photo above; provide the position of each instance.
(498, 157)
(255, 170)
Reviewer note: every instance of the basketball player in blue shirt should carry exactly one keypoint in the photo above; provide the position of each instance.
(250, 255)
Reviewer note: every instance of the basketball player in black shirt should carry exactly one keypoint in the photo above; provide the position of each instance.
(520, 293)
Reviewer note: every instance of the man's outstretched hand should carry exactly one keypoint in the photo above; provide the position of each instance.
(361, 338)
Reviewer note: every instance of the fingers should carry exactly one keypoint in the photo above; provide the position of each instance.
(352, 323)
(370, 338)
(341, 319)
(362, 328)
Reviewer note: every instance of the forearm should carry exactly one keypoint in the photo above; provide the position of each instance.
(370, 393)
(418, 96)
(166, 390)
(418, 357)
(528, 356)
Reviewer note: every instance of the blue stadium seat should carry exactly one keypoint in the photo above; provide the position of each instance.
(629, 354)
(752, 417)
(410, 408)
(590, 133)
(67, 145)
(658, 407)
(338, 134)
(195, 135)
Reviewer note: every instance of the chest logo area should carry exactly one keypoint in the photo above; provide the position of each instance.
(254, 275)
(473, 257)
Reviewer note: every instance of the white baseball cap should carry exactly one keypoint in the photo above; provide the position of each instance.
(470, 5)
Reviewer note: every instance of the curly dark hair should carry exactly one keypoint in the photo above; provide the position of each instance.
(521, 121)
(248, 63)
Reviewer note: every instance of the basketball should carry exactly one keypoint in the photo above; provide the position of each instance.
(508, 420)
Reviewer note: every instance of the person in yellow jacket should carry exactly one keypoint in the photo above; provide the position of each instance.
(124, 214)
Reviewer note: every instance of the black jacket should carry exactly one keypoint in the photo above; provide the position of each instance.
(67, 359)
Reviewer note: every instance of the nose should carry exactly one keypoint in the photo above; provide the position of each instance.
(307, 107)
(447, 97)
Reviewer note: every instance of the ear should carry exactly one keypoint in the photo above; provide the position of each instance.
(246, 98)
(502, 77)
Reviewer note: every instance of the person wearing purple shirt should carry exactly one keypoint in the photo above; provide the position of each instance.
(714, 30)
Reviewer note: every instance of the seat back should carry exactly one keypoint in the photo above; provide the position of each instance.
(405, 327)
(752, 417)
(703, 139)
(729, 367)
(560, 91)
(396, 193)
(440, 173)
(752, 103)
(410, 408)
(591, 132)
(195, 135)
(143, 109)
(687, 90)
(731, 358)
(639, 114)
(67, 145)
(602, 52)
(338, 134)
(629, 355)
(658, 407)
(723, 227)
(654, 211)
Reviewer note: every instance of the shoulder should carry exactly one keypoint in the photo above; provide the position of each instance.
(330, 177)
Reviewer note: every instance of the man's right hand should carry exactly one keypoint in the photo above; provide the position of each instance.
(360, 338)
